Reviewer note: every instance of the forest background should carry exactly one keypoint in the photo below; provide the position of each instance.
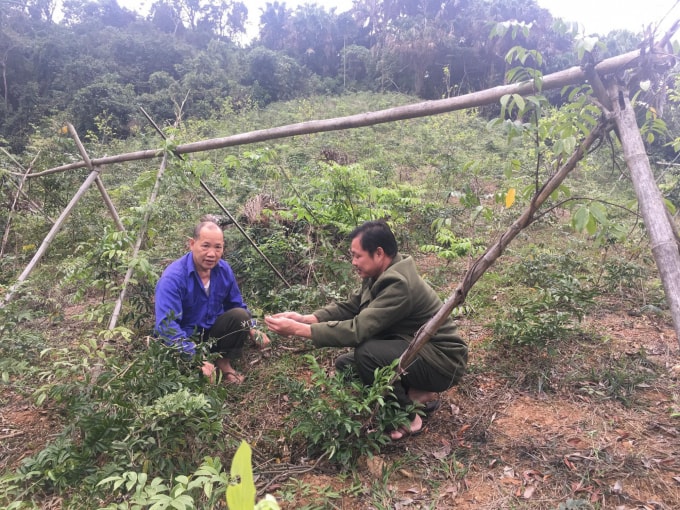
(570, 336)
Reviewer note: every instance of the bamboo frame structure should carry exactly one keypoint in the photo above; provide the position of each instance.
(646, 59)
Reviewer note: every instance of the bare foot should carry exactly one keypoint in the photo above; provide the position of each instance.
(412, 429)
(421, 396)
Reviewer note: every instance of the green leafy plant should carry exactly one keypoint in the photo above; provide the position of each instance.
(449, 246)
(555, 301)
(203, 489)
(153, 415)
(337, 418)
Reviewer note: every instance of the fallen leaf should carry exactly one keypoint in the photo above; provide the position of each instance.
(441, 453)
(529, 491)
(531, 474)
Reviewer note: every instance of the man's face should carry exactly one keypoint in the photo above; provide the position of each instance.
(208, 248)
(366, 265)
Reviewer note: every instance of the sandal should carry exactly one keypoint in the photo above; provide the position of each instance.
(406, 432)
(431, 407)
(232, 377)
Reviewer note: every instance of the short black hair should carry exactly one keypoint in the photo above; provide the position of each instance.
(376, 234)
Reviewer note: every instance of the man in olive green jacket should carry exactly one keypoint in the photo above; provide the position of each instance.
(380, 319)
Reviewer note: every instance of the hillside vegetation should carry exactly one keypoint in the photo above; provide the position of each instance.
(571, 400)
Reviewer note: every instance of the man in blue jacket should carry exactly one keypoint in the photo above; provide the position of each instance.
(198, 299)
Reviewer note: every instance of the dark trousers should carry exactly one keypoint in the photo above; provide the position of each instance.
(372, 354)
(230, 332)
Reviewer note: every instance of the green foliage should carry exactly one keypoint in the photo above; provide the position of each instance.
(555, 300)
(152, 415)
(620, 275)
(336, 413)
(241, 489)
(344, 197)
(202, 489)
(449, 246)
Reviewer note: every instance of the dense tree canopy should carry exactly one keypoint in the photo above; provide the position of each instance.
(100, 60)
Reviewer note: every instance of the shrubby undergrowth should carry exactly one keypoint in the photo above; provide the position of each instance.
(448, 185)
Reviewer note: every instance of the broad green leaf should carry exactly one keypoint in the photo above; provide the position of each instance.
(598, 211)
(591, 226)
(580, 219)
(241, 489)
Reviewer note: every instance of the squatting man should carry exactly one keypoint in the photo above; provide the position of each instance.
(198, 300)
(379, 321)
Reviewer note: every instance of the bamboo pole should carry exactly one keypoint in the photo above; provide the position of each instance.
(652, 208)
(138, 244)
(52, 233)
(552, 81)
(10, 215)
(98, 181)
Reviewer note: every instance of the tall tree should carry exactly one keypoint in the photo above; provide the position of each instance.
(274, 25)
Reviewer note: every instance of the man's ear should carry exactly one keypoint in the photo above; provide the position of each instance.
(379, 251)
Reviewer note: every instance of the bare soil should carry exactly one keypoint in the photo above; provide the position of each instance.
(523, 430)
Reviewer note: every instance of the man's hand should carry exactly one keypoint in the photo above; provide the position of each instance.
(208, 370)
(285, 325)
(304, 319)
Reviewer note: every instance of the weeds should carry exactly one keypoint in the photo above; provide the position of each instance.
(616, 378)
(549, 309)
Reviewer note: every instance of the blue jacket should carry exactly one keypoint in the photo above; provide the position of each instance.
(182, 306)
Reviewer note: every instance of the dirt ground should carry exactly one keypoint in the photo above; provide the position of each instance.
(503, 439)
(498, 443)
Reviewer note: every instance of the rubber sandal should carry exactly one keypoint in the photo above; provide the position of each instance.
(432, 406)
(406, 433)
(232, 378)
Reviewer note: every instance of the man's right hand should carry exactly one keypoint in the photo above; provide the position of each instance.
(208, 370)
(297, 317)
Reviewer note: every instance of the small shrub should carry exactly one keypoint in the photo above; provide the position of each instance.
(153, 415)
(335, 415)
(545, 314)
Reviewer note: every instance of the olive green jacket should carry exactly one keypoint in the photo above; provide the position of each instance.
(395, 305)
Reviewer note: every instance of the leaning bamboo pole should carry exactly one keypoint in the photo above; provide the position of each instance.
(651, 203)
(138, 244)
(10, 215)
(98, 180)
(487, 259)
(53, 232)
